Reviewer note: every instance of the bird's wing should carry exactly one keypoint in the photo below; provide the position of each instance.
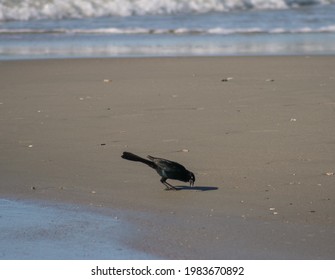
(168, 165)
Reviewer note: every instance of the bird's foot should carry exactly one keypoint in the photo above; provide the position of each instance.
(170, 188)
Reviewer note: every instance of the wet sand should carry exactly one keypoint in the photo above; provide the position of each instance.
(32, 230)
(258, 132)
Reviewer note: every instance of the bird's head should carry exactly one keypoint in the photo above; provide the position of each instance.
(191, 179)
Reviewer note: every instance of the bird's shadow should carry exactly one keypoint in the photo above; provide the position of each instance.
(197, 188)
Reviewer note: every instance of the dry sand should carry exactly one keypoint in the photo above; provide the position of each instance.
(262, 147)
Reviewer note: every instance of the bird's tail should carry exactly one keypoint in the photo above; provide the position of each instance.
(133, 157)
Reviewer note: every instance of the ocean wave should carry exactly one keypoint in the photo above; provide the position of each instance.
(177, 31)
(61, 9)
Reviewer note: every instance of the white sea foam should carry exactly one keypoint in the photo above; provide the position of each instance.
(46, 231)
(177, 31)
(60, 9)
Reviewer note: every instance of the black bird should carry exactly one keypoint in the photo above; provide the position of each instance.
(165, 168)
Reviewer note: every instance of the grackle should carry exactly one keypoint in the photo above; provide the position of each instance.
(165, 168)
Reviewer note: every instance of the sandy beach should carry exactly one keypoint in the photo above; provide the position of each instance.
(258, 132)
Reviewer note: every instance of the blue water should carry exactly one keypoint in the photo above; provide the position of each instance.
(31, 231)
(111, 28)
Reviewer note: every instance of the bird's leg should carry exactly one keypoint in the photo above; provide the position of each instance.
(168, 186)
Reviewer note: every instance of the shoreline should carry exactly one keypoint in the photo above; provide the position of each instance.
(155, 57)
(36, 230)
(260, 144)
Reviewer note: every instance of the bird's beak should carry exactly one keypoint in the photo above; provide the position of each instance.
(191, 183)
